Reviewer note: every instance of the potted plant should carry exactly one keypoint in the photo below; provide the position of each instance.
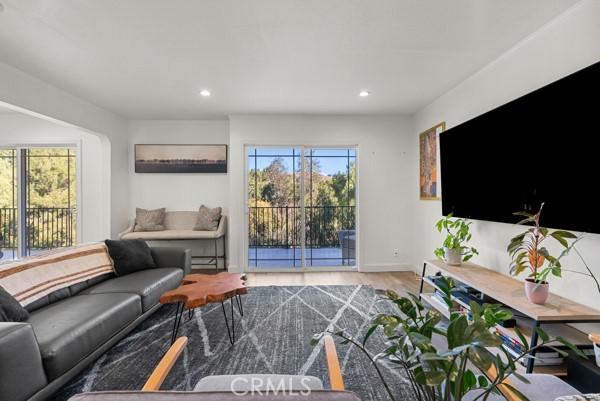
(454, 250)
(474, 359)
(528, 254)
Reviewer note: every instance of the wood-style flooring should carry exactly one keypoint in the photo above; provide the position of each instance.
(398, 281)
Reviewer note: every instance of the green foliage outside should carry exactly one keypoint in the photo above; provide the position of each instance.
(52, 197)
(274, 201)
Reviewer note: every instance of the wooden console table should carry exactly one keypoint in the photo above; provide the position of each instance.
(510, 292)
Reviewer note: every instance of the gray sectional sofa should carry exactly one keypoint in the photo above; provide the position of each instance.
(70, 328)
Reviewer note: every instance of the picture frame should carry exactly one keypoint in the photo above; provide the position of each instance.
(181, 158)
(428, 162)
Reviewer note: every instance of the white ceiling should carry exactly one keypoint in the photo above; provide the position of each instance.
(6, 110)
(150, 58)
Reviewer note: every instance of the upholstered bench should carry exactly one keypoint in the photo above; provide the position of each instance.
(179, 228)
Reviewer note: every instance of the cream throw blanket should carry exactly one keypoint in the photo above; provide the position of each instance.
(33, 278)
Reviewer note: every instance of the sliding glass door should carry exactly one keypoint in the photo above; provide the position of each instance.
(38, 200)
(8, 204)
(301, 207)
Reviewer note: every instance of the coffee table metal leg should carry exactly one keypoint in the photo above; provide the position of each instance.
(230, 333)
(191, 313)
(178, 314)
(238, 301)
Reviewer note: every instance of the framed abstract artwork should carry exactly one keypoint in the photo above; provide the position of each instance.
(428, 159)
(154, 158)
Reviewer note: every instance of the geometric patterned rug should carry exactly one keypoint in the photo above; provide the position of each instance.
(273, 336)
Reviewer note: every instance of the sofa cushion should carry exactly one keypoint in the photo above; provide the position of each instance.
(70, 329)
(10, 309)
(149, 220)
(148, 284)
(130, 255)
(67, 292)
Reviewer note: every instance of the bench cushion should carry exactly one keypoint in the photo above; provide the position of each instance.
(171, 235)
(149, 284)
(69, 330)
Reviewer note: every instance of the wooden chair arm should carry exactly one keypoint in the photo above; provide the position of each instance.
(333, 364)
(165, 365)
(506, 391)
(595, 338)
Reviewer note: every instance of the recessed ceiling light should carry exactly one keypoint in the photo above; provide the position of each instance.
(364, 93)
(205, 93)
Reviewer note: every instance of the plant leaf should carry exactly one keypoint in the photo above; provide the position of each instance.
(369, 334)
(542, 334)
(519, 394)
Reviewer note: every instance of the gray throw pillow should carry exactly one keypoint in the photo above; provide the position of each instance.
(10, 309)
(149, 220)
(208, 219)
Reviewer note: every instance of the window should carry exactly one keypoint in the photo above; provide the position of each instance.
(38, 199)
(301, 207)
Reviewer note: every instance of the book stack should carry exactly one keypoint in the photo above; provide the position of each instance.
(439, 296)
(544, 356)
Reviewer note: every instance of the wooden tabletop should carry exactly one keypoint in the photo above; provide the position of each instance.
(511, 292)
(200, 289)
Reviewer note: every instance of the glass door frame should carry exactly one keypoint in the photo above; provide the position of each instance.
(21, 181)
(303, 268)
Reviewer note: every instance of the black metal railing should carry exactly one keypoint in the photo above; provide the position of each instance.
(46, 228)
(281, 226)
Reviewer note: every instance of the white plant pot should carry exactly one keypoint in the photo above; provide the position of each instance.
(453, 256)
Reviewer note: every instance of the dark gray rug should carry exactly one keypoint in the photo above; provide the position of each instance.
(272, 337)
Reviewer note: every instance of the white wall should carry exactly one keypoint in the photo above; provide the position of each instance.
(20, 129)
(561, 47)
(384, 177)
(177, 191)
(34, 96)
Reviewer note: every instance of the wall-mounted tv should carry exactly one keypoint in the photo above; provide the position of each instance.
(542, 147)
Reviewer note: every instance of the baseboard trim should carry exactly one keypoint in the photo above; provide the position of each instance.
(385, 267)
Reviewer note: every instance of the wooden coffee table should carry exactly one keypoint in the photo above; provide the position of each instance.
(197, 290)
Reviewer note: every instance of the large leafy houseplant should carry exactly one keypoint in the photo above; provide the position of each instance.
(446, 374)
(454, 249)
(529, 254)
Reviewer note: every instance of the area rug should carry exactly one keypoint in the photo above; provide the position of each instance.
(273, 336)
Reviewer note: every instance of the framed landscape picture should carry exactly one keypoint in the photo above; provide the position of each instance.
(154, 158)
(428, 155)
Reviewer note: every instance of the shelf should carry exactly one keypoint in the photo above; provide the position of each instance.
(571, 334)
(455, 299)
(509, 291)
(436, 304)
(556, 370)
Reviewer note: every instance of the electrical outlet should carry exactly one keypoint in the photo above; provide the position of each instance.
(396, 253)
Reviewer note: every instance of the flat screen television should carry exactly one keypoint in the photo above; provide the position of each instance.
(542, 147)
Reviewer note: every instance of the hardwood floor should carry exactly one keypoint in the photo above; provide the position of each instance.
(398, 281)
